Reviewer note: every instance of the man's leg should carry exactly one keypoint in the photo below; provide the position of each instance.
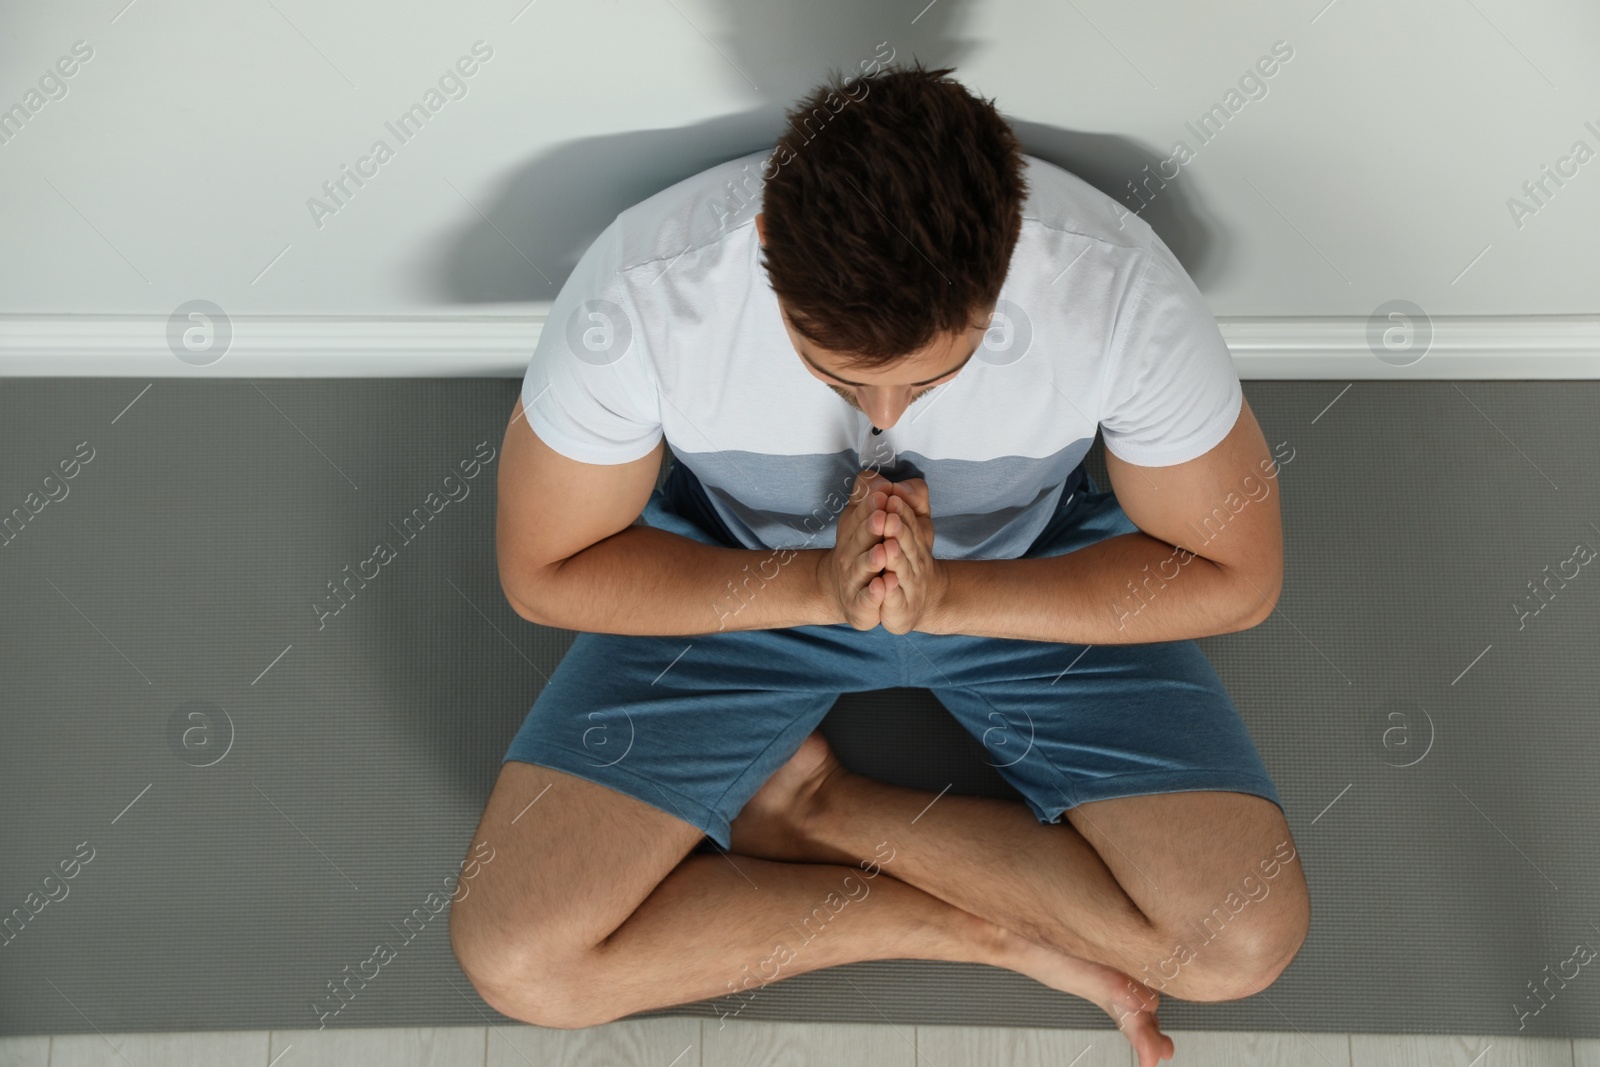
(1158, 876)
(589, 911)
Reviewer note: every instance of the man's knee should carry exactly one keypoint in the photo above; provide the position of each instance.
(523, 937)
(524, 982)
(1275, 941)
(1248, 957)
(1257, 968)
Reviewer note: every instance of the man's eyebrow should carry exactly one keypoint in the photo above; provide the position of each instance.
(935, 378)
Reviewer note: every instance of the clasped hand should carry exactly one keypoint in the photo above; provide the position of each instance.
(881, 567)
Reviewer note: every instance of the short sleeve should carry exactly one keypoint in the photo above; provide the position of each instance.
(588, 391)
(1171, 393)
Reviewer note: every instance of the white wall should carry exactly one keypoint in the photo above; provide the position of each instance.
(180, 161)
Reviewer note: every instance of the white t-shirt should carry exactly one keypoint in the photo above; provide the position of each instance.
(669, 327)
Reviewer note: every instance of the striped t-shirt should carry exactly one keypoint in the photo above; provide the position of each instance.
(668, 327)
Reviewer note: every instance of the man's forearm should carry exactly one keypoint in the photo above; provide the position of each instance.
(1127, 589)
(646, 581)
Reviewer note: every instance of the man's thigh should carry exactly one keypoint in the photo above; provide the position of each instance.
(694, 725)
(1072, 724)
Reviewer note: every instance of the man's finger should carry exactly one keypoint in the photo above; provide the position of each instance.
(870, 485)
(893, 523)
(910, 525)
(913, 491)
(873, 480)
(866, 483)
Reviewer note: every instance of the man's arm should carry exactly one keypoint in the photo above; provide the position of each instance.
(568, 557)
(1209, 560)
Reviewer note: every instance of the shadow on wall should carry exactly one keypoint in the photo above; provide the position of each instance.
(548, 211)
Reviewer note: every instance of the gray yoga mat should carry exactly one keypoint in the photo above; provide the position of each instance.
(252, 791)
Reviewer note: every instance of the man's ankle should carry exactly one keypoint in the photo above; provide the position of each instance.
(840, 827)
(998, 946)
(828, 831)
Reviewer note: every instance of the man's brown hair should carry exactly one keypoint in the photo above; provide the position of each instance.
(890, 210)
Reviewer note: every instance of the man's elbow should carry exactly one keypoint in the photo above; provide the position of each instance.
(522, 594)
(1259, 595)
(525, 613)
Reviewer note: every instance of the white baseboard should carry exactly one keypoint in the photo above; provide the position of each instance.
(273, 346)
(499, 346)
(1462, 348)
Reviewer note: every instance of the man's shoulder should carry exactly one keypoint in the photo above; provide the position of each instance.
(1061, 202)
(712, 206)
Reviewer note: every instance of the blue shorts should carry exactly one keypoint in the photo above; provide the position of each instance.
(694, 725)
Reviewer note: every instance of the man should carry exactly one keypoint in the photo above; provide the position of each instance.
(920, 518)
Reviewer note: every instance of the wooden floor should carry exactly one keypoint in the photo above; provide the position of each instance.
(702, 1043)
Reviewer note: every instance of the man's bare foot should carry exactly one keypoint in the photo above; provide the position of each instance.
(1130, 1003)
(772, 825)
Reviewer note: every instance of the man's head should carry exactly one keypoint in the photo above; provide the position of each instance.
(889, 213)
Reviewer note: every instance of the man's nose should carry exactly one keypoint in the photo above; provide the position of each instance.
(885, 409)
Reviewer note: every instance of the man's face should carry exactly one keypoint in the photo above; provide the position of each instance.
(884, 393)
